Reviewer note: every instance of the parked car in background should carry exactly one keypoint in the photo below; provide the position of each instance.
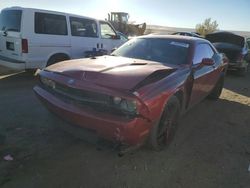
(235, 47)
(138, 92)
(34, 38)
(190, 34)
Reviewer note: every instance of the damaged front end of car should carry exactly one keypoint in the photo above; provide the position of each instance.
(120, 105)
(120, 117)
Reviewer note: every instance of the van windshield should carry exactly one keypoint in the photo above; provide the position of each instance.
(10, 20)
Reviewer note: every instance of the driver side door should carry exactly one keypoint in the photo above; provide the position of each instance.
(203, 76)
(109, 39)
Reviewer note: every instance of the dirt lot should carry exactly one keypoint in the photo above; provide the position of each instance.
(211, 148)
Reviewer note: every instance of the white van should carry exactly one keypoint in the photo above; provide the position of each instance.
(33, 38)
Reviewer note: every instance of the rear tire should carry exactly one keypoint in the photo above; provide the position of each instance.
(163, 132)
(215, 94)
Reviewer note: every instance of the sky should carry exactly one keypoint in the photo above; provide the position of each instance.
(229, 14)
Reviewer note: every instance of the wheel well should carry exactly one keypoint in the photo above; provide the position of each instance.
(58, 56)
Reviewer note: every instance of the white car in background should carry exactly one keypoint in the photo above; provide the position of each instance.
(34, 38)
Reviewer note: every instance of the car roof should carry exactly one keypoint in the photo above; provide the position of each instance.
(187, 39)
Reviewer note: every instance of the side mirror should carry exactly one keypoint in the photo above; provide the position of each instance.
(207, 62)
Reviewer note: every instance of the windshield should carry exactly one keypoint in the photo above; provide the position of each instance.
(10, 20)
(155, 49)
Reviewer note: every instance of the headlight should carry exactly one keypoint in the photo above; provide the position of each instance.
(48, 82)
(117, 100)
(128, 105)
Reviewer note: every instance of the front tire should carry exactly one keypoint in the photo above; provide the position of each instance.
(163, 132)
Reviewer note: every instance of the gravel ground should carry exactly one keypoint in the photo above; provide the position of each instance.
(211, 147)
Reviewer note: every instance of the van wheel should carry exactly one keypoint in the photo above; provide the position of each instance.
(215, 94)
(57, 58)
(163, 132)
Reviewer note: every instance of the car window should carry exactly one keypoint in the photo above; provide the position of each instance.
(202, 51)
(115, 18)
(83, 27)
(52, 24)
(155, 49)
(10, 20)
(107, 31)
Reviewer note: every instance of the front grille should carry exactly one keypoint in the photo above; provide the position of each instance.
(86, 99)
(82, 95)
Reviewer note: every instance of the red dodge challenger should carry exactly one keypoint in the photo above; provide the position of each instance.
(136, 94)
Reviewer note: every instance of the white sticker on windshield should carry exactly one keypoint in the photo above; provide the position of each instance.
(181, 44)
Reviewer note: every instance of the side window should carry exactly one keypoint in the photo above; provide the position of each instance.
(107, 31)
(82, 27)
(50, 24)
(202, 51)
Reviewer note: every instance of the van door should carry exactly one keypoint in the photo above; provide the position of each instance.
(109, 39)
(84, 36)
(10, 37)
(50, 37)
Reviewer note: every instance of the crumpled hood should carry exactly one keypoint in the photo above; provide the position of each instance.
(226, 37)
(113, 72)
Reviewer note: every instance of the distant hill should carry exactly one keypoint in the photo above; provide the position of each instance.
(169, 30)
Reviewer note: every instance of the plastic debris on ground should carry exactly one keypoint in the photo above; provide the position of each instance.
(8, 158)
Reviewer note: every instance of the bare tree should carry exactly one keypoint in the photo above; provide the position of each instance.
(208, 26)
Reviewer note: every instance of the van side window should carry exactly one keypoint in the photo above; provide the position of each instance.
(106, 31)
(82, 27)
(50, 24)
